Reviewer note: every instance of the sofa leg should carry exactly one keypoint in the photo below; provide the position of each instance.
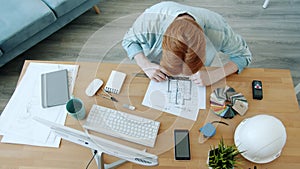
(97, 10)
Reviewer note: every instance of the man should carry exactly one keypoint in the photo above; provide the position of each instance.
(170, 39)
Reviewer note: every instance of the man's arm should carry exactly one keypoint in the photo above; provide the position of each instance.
(236, 47)
(209, 77)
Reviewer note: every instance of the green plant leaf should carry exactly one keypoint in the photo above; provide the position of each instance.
(224, 156)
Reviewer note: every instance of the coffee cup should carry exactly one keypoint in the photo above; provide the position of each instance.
(75, 108)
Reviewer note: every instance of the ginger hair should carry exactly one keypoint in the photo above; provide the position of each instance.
(183, 47)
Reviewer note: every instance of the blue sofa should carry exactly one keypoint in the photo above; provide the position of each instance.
(24, 23)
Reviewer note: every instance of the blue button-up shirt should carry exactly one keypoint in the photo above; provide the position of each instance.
(146, 34)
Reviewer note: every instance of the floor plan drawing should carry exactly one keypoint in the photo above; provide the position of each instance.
(180, 97)
(179, 91)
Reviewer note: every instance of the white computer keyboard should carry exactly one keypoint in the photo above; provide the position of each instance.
(122, 125)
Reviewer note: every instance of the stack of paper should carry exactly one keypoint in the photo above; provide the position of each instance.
(16, 123)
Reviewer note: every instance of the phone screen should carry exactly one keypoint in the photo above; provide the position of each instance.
(257, 89)
(182, 145)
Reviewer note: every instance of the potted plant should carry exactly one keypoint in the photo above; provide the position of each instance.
(223, 157)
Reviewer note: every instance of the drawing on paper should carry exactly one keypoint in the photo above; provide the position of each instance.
(177, 96)
(179, 91)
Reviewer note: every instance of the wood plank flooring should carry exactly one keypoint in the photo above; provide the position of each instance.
(272, 34)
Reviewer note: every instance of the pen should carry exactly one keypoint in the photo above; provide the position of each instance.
(176, 77)
(144, 75)
(110, 97)
(169, 77)
(140, 75)
(166, 75)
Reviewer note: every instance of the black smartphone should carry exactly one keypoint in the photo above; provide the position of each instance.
(257, 90)
(182, 144)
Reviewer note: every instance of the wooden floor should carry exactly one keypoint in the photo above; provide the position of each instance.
(272, 34)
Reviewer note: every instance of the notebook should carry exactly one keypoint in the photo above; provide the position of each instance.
(55, 90)
(115, 82)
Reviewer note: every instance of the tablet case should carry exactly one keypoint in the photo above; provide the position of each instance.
(55, 90)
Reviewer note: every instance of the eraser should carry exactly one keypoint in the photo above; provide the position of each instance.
(127, 106)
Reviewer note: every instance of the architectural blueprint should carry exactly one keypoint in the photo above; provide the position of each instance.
(179, 91)
(180, 97)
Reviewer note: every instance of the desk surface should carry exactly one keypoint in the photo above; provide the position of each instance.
(279, 100)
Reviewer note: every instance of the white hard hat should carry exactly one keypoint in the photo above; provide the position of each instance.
(260, 138)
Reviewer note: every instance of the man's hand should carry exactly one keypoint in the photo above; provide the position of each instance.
(152, 70)
(202, 78)
(209, 77)
(155, 72)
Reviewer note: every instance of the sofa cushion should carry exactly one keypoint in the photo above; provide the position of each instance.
(20, 20)
(61, 7)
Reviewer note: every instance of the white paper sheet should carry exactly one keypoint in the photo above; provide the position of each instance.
(179, 97)
(52, 140)
(16, 122)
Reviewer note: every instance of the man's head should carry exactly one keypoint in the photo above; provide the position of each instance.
(183, 47)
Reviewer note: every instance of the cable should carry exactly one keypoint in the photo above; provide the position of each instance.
(95, 152)
(220, 122)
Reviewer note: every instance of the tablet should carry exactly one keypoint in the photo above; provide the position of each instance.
(55, 90)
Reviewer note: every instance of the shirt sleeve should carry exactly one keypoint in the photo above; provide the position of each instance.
(236, 47)
(131, 44)
(145, 35)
